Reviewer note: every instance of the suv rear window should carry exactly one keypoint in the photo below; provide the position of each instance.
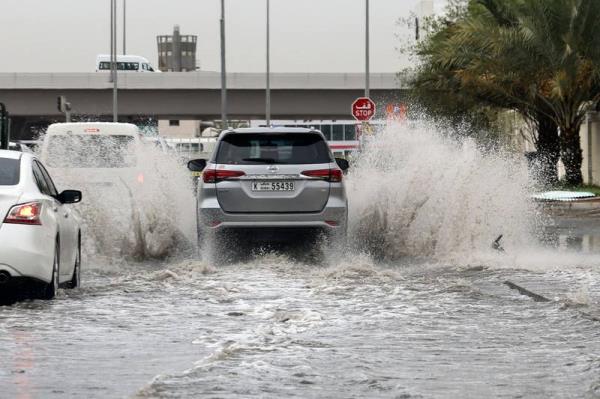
(91, 151)
(10, 171)
(261, 148)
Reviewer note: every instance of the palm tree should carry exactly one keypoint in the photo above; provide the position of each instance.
(562, 35)
(540, 58)
(465, 68)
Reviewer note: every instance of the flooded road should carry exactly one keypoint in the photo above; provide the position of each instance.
(273, 328)
(417, 305)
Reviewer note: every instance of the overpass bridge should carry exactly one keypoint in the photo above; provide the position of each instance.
(32, 97)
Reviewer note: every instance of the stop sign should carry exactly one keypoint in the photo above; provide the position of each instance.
(363, 109)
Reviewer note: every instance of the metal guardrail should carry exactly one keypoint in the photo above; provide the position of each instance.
(196, 80)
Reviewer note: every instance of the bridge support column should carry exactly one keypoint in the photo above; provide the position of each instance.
(4, 128)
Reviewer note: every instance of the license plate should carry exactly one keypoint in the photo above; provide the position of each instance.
(272, 186)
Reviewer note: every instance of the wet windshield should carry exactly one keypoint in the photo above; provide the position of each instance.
(289, 148)
(9, 171)
(91, 151)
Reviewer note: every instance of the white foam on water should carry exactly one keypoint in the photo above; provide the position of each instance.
(186, 271)
(539, 259)
(581, 297)
(356, 267)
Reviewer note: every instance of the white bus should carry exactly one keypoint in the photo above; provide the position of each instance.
(126, 63)
(343, 136)
(191, 148)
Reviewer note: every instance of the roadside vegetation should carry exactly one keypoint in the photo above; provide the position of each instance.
(538, 58)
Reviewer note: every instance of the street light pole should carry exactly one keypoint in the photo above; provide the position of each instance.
(112, 16)
(124, 27)
(367, 72)
(114, 59)
(223, 70)
(268, 82)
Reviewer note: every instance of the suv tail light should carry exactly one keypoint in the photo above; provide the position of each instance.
(28, 213)
(217, 175)
(330, 175)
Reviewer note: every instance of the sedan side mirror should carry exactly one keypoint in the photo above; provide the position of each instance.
(197, 165)
(342, 163)
(69, 197)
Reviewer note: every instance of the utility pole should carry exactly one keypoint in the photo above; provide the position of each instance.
(366, 127)
(65, 107)
(268, 80)
(112, 42)
(124, 27)
(223, 70)
(590, 149)
(417, 33)
(114, 60)
(367, 72)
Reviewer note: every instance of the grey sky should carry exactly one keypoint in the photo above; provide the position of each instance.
(307, 35)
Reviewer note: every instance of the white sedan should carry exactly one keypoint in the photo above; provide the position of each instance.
(40, 236)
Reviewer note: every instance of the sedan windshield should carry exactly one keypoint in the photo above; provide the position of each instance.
(10, 170)
(91, 151)
(263, 148)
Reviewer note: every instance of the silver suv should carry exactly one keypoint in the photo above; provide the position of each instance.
(270, 184)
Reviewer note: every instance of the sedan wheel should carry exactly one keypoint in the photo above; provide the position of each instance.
(49, 290)
(76, 279)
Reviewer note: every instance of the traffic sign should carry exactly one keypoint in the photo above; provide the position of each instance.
(363, 109)
(396, 111)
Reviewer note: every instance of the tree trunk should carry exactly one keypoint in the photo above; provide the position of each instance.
(571, 154)
(548, 150)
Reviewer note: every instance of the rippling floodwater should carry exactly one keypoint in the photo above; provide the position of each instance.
(274, 328)
(426, 316)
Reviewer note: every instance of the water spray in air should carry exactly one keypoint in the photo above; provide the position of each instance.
(415, 192)
(146, 211)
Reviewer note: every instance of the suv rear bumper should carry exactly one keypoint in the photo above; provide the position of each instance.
(330, 218)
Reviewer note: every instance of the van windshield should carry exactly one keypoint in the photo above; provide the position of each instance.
(10, 171)
(266, 148)
(91, 151)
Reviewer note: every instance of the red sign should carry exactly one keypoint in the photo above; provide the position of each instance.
(363, 109)
(396, 111)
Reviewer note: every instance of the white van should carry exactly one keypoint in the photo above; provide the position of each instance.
(125, 63)
(90, 144)
(93, 154)
(105, 161)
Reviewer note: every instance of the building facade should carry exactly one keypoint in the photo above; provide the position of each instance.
(176, 52)
(179, 128)
(520, 137)
(590, 144)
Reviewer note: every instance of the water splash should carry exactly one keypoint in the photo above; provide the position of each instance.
(147, 214)
(167, 206)
(416, 193)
